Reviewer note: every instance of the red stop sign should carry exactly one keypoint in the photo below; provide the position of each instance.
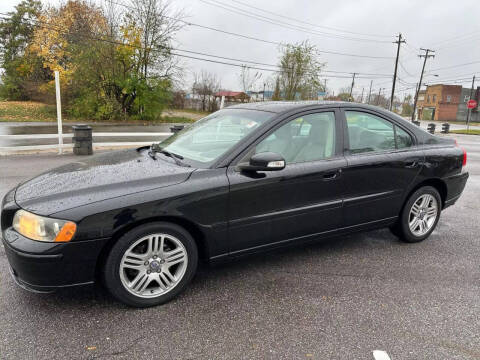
(471, 104)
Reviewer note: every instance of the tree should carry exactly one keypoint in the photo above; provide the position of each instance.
(345, 96)
(276, 93)
(300, 70)
(20, 67)
(109, 67)
(248, 79)
(158, 23)
(206, 85)
(407, 106)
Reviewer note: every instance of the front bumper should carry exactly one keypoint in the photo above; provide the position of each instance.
(43, 267)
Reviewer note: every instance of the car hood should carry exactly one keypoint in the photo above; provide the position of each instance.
(98, 178)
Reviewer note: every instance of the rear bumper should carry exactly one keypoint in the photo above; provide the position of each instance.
(455, 185)
(44, 267)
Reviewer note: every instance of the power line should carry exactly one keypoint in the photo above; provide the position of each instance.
(308, 23)
(283, 24)
(455, 66)
(55, 28)
(247, 37)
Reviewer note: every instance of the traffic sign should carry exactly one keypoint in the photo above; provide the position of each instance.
(471, 104)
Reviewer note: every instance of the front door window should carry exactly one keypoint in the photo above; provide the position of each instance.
(307, 138)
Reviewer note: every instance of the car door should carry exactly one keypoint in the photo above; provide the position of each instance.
(304, 198)
(383, 160)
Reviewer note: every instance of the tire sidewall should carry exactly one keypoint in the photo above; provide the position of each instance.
(112, 264)
(408, 236)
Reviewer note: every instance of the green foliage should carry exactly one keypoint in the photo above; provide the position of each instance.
(110, 68)
(300, 71)
(152, 98)
(16, 32)
(345, 97)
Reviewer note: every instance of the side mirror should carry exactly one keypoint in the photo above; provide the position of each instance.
(266, 161)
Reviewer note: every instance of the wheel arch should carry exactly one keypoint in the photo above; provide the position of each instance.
(194, 230)
(436, 183)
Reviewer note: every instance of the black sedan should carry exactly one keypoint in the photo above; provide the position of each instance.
(244, 179)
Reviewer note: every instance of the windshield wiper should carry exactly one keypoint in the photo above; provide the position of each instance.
(157, 148)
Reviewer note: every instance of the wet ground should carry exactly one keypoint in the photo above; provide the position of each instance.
(337, 299)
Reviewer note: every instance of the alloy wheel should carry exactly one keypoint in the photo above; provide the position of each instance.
(423, 215)
(153, 265)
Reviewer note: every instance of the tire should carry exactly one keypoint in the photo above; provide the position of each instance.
(162, 254)
(428, 208)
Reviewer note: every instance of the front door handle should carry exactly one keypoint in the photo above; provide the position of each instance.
(332, 175)
(411, 164)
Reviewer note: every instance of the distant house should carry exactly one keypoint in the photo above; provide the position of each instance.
(445, 102)
(233, 96)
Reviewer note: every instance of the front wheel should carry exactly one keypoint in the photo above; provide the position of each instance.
(151, 264)
(420, 215)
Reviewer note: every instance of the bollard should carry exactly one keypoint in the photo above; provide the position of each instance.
(82, 140)
(431, 128)
(445, 128)
(176, 128)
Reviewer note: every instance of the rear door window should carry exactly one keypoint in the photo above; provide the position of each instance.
(368, 133)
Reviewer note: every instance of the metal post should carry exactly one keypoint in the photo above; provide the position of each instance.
(469, 111)
(222, 102)
(59, 112)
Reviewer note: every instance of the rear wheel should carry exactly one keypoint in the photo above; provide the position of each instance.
(151, 264)
(420, 215)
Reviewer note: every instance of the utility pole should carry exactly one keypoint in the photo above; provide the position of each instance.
(470, 110)
(378, 96)
(370, 91)
(263, 91)
(398, 42)
(425, 56)
(361, 97)
(353, 83)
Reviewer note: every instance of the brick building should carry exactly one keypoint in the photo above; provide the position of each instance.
(445, 103)
(440, 102)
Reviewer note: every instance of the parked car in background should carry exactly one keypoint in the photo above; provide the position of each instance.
(244, 179)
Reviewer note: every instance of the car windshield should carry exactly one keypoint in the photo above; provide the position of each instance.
(203, 142)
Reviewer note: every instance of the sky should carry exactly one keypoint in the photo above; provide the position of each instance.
(366, 28)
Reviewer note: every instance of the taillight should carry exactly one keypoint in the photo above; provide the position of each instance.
(464, 160)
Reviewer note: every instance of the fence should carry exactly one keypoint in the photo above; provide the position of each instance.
(9, 149)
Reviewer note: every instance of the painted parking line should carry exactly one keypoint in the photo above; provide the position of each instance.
(380, 355)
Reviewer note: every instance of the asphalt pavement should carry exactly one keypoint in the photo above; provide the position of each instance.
(336, 299)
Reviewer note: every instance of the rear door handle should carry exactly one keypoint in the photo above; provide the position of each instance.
(411, 164)
(332, 174)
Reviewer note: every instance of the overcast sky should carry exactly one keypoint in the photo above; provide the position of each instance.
(450, 27)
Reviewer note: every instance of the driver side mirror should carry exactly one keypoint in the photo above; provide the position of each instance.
(265, 161)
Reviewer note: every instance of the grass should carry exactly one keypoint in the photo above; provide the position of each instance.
(191, 111)
(467, 132)
(31, 111)
(27, 111)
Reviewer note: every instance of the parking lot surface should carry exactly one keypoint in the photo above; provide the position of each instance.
(336, 299)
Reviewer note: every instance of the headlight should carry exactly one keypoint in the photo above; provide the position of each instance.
(41, 228)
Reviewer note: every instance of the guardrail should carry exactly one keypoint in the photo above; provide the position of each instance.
(9, 149)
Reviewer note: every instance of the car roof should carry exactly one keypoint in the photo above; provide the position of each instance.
(286, 106)
(282, 107)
